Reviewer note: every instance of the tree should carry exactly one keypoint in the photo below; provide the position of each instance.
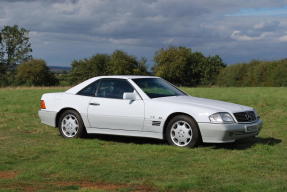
(173, 64)
(36, 73)
(141, 67)
(119, 63)
(86, 68)
(211, 69)
(15, 47)
(123, 64)
(181, 66)
(2, 64)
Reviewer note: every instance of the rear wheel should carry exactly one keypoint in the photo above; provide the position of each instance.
(71, 125)
(182, 131)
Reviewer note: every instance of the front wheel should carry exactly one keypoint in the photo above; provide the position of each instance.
(182, 131)
(71, 125)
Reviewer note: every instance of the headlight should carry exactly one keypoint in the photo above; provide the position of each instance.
(221, 117)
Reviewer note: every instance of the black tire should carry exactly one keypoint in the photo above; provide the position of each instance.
(76, 118)
(193, 131)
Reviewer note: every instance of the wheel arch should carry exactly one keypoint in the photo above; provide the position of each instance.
(61, 112)
(176, 114)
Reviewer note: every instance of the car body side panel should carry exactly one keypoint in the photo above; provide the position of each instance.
(158, 111)
(48, 117)
(55, 102)
(116, 114)
(133, 133)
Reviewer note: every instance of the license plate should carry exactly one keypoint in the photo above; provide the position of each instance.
(252, 128)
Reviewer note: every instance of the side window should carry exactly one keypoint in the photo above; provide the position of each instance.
(89, 90)
(114, 88)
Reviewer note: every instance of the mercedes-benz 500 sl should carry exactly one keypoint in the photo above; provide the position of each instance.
(146, 106)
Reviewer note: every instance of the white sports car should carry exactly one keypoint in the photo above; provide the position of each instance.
(146, 106)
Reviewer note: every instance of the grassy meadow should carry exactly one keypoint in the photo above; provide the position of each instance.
(34, 157)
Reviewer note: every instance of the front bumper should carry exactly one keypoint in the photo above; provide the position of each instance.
(226, 133)
(48, 117)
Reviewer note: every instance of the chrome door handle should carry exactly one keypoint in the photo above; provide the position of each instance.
(95, 104)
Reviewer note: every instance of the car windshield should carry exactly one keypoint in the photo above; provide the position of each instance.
(157, 87)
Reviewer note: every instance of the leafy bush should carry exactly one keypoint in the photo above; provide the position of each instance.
(35, 73)
(255, 73)
(181, 66)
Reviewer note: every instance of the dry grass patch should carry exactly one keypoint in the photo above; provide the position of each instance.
(8, 174)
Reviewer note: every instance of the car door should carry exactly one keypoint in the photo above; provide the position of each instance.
(108, 110)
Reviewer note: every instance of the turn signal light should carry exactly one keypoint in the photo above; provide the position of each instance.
(42, 104)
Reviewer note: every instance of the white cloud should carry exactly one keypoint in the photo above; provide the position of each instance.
(142, 26)
(65, 8)
(283, 38)
(237, 35)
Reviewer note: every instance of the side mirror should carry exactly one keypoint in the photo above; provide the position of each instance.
(129, 96)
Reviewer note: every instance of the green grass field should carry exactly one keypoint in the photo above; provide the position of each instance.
(33, 157)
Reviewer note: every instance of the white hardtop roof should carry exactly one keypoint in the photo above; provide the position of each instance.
(126, 76)
(80, 86)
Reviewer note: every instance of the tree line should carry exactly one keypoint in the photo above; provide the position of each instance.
(17, 66)
(179, 65)
(118, 63)
(255, 73)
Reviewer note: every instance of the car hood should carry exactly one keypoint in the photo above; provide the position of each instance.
(215, 105)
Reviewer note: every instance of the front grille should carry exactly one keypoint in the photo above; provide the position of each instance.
(247, 116)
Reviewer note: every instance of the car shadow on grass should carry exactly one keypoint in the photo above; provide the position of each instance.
(245, 143)
(126, 139)
(238, 145)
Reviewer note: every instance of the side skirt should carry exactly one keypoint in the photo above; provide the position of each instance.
(125, 133)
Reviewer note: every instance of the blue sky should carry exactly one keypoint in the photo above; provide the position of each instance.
(237, 30)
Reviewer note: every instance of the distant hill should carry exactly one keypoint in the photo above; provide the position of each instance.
(59, 69)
